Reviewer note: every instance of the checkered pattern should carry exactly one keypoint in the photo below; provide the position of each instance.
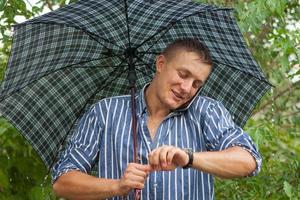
(64, 61)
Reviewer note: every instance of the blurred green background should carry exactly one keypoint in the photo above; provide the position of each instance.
(271, 29)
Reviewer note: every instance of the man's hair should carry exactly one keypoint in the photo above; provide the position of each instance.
(189, 45)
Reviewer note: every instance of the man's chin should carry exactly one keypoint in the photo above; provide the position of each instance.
(178, 106)
(183, 105)
(174, 105)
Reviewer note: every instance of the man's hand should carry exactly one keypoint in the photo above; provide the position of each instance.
(133, 178)
(168, 158)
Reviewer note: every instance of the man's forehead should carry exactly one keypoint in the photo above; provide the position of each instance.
(184, 55)
(181, 52)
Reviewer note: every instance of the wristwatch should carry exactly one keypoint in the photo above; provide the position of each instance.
(190, 153)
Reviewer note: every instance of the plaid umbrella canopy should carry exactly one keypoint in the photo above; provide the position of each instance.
(66, 60)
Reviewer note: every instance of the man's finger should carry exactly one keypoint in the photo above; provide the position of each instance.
(154, 158)
(143, 167)
(136, 172)
(170, 156)
(138, 169)
(136, 185)
(163, 156)
(134, 177)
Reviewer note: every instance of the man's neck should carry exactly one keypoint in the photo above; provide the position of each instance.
(154, 105)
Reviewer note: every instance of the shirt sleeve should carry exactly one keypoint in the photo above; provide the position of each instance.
(221, 133)
(82, 148)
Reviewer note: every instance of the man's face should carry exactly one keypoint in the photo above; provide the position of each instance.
(179, 78)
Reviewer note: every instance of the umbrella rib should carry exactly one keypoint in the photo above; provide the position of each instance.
(84, 62)
(259, 78)
(144, 63)
(95, 37)
(127, 23)
(86, 103)
(144, 73)
(93, 34)
(149, 52)
(171, 24)
(104, 66)
(167, 28)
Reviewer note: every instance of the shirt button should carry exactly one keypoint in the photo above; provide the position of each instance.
(155, 184)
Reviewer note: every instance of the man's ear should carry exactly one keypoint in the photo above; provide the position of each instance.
(160, 63)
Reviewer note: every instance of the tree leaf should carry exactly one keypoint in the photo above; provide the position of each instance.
(287, 189)
(2, 130)
(3, 180)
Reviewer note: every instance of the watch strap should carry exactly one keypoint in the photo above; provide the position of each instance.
(191, 158)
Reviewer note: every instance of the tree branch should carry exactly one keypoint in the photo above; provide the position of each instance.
(272, 100)
(291, 114)
(49, 4)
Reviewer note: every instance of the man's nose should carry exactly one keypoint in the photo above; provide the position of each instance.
(186, 86)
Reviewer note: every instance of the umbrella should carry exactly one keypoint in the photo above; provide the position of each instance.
(66, 60)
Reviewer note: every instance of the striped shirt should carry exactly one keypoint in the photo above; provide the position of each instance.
(104, 135)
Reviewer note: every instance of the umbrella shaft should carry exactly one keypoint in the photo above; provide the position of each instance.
(134, 124)
(137, 192)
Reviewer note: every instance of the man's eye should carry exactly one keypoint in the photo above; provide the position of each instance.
(182, 75)
(197, 84)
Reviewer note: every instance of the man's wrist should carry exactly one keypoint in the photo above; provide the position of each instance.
(190, 154)
(116, 188)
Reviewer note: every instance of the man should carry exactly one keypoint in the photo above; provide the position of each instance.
(183, 139)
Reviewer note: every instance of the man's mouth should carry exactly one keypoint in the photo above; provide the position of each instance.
(177, 95)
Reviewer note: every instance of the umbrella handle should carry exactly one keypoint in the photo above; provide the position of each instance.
(137, 194)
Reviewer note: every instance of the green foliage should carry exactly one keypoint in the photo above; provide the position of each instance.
(22, 174)
(9, 9)
(279, 178)
(274, 126)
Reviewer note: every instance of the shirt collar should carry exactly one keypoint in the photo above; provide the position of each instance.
(141, 101)
(142, 106)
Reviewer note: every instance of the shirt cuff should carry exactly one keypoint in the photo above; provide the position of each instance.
(55, 176)
(256, 157)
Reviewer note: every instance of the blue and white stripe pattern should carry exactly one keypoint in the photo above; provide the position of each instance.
(105, 133)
